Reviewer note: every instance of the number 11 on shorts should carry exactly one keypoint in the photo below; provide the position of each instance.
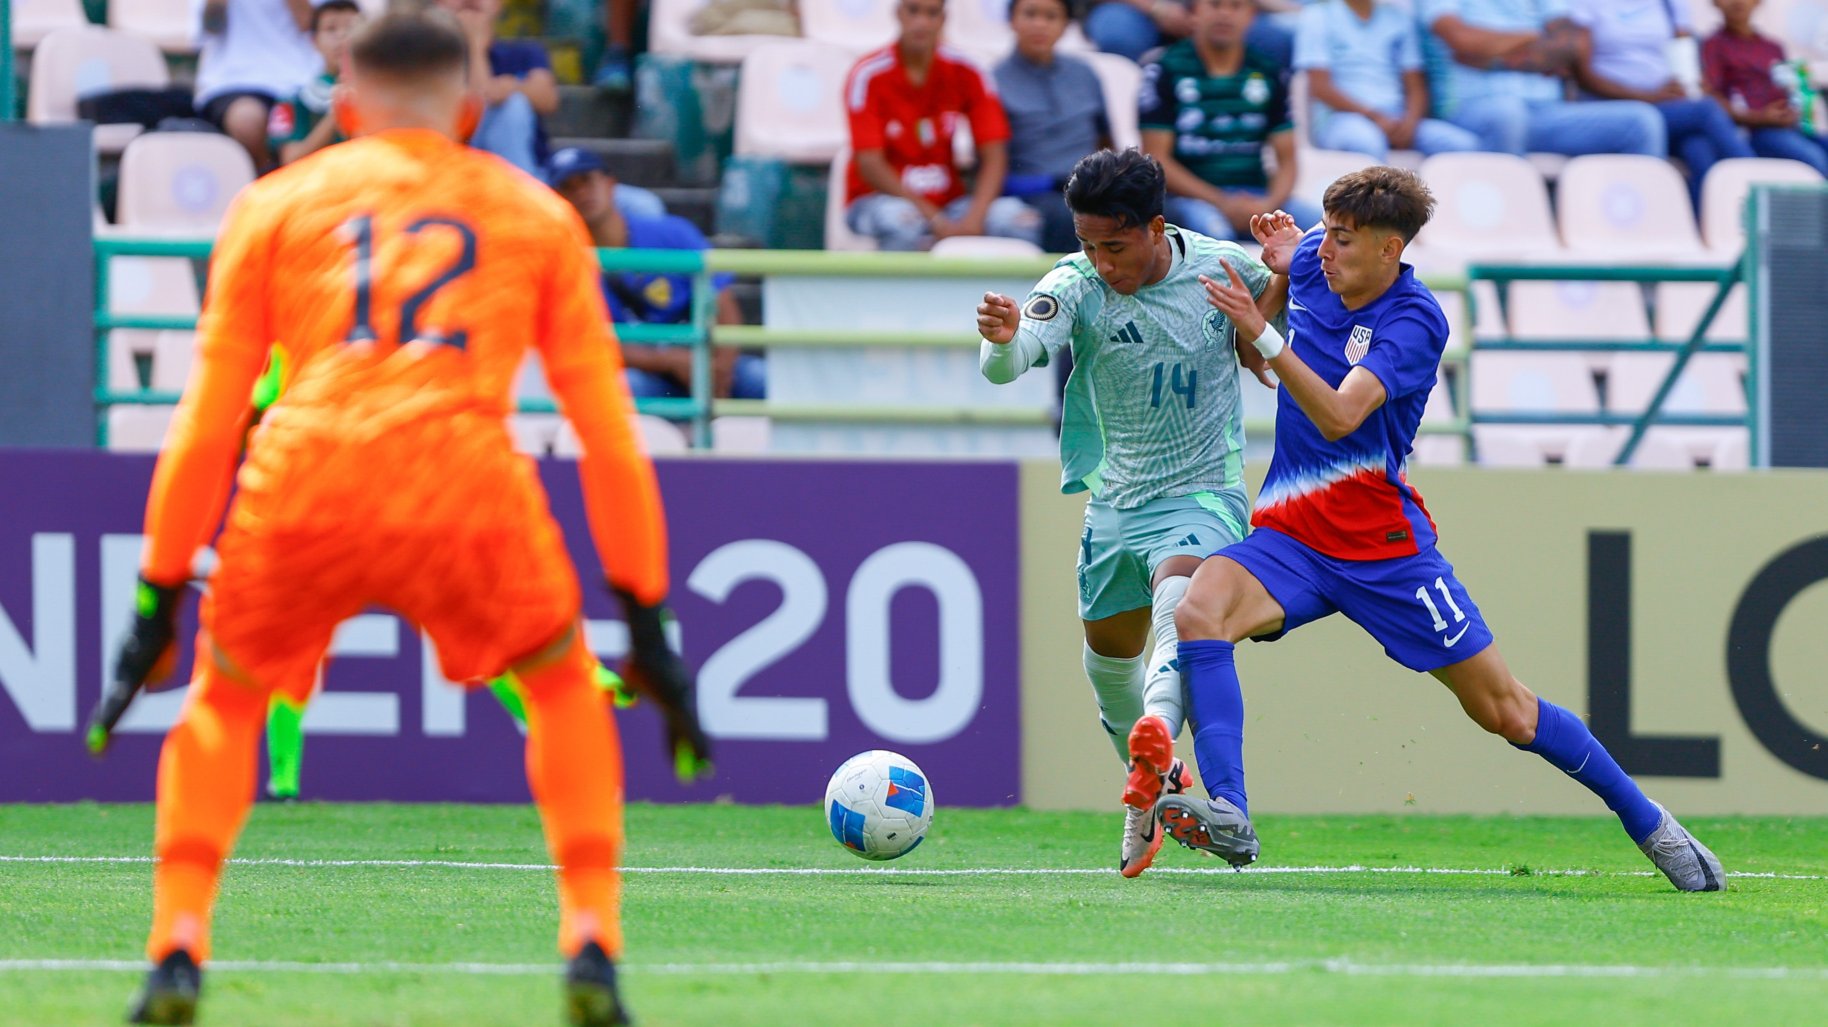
(1435, 611)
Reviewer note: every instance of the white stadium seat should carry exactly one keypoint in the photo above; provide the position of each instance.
(1724, 191)
(1628, 208)
(669, 31)
(138, 429)
(791, 105)
(1513, 382)
(838, 235)
(1710, 384)
(171, 24)
(858, 26)
(144, 285)
(181, 181)
(173, 352)
(979, 28)
(1654, 452)
(1488, 205)
(1121, 80)
(35, 19)
(658, 434)
(72, 63)
(1681, 304)
(1317, 169)
(535, 434)
(737, 433)
(1801, 25)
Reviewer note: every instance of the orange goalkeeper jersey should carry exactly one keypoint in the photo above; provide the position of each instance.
(403, 276)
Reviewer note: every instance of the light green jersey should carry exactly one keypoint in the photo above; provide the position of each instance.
(1151, 409)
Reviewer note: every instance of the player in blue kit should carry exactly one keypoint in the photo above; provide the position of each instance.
(1339, 529)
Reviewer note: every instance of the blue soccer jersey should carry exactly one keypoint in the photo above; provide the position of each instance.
(1350, 499)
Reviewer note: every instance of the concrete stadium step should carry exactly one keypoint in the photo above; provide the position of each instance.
(642, 162)
(591, 112)
(697, 205)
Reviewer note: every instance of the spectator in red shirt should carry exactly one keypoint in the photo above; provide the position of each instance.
(905, 100)
(1736, 69)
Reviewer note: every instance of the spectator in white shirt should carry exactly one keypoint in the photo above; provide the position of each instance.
(254, 53)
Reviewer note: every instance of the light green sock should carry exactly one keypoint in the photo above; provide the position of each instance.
(285, 747)
(507, 692)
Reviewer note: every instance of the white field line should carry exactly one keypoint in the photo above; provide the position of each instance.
(1345, 967)
(918, 871)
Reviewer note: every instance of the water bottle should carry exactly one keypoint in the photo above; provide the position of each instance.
(1805, 103)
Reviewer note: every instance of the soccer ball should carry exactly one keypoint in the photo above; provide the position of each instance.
(879, 805)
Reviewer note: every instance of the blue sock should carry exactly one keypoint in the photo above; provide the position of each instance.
(1215, 706)
(1563, 740)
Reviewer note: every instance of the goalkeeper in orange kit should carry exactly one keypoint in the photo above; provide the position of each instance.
(405, 275)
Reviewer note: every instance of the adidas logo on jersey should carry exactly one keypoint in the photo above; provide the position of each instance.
(1128, 334)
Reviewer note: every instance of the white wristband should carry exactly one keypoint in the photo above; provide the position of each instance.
(1270, 343)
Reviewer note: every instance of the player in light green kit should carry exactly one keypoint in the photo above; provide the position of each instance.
(1151, 428)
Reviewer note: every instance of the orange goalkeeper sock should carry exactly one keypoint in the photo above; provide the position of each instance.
(574, 766)
(206, 784)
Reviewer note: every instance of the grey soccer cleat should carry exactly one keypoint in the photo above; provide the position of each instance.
(1688, 864)
(169, 995)
(1210, 825)
(1142, 830)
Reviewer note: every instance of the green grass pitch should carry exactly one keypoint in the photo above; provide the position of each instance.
(1047, 933)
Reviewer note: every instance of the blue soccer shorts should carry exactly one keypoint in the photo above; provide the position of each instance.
(1412, 605)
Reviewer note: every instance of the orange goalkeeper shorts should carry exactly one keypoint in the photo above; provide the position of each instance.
(440, 522)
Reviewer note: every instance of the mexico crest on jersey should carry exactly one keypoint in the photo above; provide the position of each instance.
(1212, 327)
(1358, 345)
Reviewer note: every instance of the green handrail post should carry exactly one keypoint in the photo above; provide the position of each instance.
(1723, 278)
(696, 332)
(8, 101)
(101, 342)
(1728, 278)
(1750, 219)
(704, 388)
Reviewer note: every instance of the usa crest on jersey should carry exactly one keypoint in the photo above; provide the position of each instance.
(1358, 345)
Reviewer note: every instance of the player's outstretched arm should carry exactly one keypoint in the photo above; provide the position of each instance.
(1336, 412)
(190, 484)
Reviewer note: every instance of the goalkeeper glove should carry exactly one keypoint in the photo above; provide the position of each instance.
(147, 656)
(657, 674)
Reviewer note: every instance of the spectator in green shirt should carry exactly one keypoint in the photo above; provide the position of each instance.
(1209, 107)
(302, 125)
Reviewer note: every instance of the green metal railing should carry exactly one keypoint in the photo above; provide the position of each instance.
(1723, 278)
(695, 408)
(8, 101)
(700, 333)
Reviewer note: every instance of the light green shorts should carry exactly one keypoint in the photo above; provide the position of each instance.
(1120, 549)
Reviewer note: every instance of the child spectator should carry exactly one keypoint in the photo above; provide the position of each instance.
(302, 125)
(1739, 68)
(252, 53)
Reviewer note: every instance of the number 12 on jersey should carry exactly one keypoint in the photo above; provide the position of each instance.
(361, 233)
(1175, 385)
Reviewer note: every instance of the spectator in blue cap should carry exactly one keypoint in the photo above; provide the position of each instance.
(639, 298)
(632, 200)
